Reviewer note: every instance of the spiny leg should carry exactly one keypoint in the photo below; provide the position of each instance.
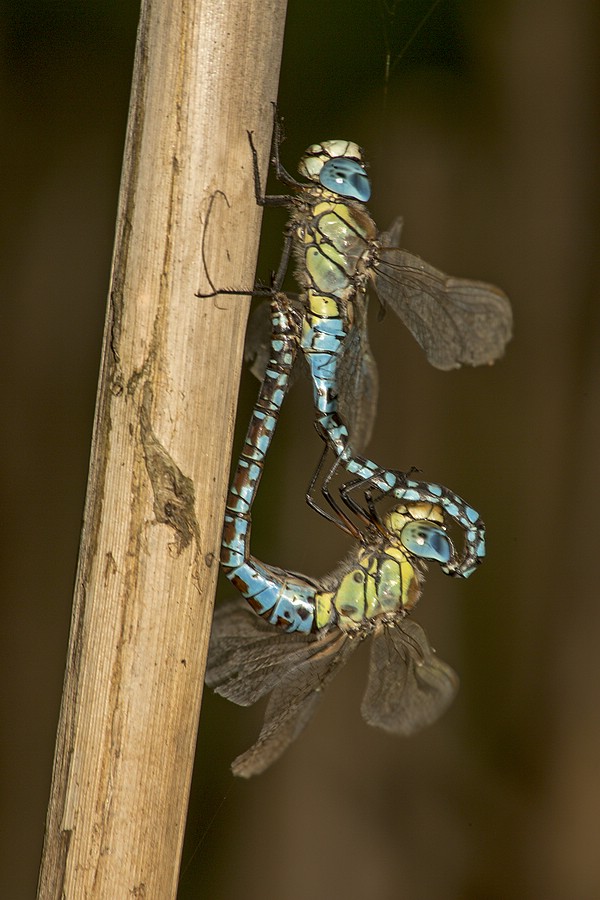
(370, 517)
(340, 519)
(259, 290)
(264, 200)
(281, 173)
(371, 514)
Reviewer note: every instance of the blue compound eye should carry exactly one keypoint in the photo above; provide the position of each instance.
(427, 541)
(346, 177)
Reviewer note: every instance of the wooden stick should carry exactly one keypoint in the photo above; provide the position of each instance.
(205, 71)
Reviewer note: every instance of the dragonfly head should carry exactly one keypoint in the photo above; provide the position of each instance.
(337, 166)
(420, 529)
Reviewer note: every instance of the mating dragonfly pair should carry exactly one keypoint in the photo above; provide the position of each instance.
(338, 256)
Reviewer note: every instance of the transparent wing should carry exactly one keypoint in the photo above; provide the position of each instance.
(292, 704)
(408, 686)
(247, 656)
(455, 320)
(258, 339)
(391, 237)
(358, 384)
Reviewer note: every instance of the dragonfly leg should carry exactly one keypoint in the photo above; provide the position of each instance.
(278, 137)
(371, 515)
(259, 290)
(340, 519)
(277, 278)
(282, 175)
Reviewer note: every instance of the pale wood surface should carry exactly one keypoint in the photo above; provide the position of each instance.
(160, 455)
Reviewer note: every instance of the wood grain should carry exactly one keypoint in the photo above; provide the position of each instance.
(160, 451)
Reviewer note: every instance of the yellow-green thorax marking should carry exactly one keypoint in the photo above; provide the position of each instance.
(384, 580)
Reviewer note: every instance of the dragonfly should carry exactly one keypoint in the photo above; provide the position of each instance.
(285, 599)
(338, 256)
(370, 593)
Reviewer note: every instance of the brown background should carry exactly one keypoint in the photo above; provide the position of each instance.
(485, 139)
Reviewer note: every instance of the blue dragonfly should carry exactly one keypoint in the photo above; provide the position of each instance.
(375, 588)
(370, 593)
(283, 603)
(338, 256)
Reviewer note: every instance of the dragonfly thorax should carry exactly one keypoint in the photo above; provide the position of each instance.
(338, 166)
(380, 584)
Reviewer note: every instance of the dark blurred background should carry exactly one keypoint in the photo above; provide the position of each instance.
(484, 136)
